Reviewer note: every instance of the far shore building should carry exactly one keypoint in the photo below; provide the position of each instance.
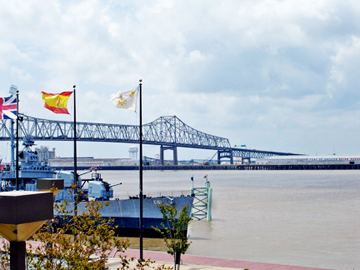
(44, 153)
(91, 162)
(47, 155)
(304, 159)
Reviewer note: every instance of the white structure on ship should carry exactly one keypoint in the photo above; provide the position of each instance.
(303, 159)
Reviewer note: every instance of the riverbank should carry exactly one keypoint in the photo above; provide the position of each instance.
(191, 262)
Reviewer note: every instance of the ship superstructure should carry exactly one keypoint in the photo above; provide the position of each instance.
(126, 212)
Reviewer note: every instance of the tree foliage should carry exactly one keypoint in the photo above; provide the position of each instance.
(78, 242)
(4, 254)
(81, 241)
(174, 230)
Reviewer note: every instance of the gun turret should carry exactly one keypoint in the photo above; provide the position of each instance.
(98, 189)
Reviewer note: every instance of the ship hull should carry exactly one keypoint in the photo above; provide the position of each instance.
(126, 214)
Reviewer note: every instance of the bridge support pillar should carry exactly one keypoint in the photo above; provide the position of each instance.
(175, 155)
(246, 160)
(225, 154)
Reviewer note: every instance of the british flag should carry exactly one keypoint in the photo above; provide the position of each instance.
(8, 107)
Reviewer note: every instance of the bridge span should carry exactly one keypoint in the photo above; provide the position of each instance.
(169, 132)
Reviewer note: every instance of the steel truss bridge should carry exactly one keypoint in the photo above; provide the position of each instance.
(169, 132)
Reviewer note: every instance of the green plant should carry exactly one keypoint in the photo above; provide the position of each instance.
(4, 254)
(80, 241)
(174, 231)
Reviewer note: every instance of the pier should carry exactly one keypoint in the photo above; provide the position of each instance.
(201, 208)
(246, 167)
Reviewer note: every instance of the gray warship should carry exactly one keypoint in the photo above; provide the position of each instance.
(124, 212)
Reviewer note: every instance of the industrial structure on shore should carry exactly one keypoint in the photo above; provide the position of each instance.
(275, 162)
(310, 160)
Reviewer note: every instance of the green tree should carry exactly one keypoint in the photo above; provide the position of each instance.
(78, 241)
(174, 231)
(81, 241)
(4, 254)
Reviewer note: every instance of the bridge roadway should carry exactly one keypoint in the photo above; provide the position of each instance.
(169, 132)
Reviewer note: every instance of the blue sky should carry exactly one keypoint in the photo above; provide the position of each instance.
(274, 75)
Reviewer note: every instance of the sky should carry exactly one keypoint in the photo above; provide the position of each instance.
(277, 75)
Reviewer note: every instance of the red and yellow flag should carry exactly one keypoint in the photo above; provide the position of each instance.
(56, 103)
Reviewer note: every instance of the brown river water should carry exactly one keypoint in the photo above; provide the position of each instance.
(304, 218)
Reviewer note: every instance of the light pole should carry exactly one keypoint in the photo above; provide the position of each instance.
(22, 213)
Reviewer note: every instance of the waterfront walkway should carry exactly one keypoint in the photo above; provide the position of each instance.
(191, 262)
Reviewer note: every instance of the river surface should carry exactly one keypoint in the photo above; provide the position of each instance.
(304, 218)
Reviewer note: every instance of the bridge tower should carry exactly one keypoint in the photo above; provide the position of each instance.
(162, 150)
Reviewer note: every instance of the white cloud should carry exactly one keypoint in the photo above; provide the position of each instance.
(345, 61)
(260, 72)
(344, 75)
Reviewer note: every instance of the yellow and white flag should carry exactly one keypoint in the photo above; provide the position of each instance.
(126, 100)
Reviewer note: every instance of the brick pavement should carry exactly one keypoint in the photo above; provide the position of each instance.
(190, 262)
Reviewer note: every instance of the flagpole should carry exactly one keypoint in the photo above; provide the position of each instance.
(141, 175)
(75, 154)
(17, 139)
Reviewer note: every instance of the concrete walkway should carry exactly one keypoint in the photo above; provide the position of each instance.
(191, 262)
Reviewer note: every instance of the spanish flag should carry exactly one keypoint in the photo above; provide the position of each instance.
(56, 103)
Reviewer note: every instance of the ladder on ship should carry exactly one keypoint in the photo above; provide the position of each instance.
(201, 208)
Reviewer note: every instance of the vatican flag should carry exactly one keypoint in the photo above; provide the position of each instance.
(126, 100)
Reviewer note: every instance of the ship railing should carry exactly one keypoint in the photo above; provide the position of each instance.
(177, 193)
